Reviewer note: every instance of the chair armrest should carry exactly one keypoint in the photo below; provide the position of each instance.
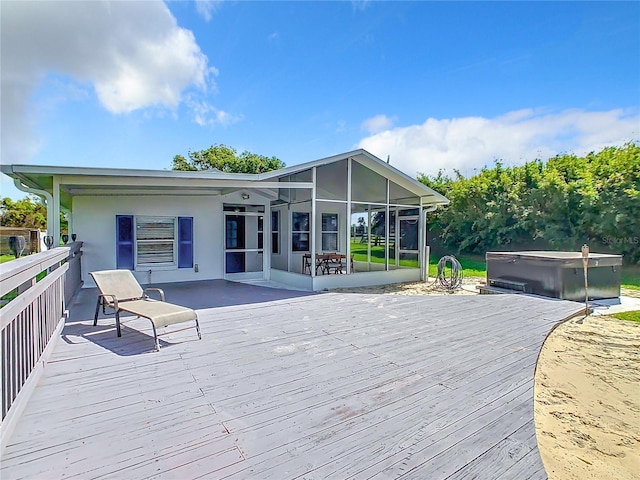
(158, 290)
(114, 300)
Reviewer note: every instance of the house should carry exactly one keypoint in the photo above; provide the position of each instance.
(175, 226)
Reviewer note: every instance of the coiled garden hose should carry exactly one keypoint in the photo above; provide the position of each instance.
(451, 279)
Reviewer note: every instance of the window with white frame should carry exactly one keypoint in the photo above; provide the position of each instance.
(260, 232)
(329, 232)
(300, 231)
(275, 231)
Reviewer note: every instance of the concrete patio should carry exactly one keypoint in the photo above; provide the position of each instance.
(287, 384)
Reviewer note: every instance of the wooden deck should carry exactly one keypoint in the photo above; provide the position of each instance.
(287, 385)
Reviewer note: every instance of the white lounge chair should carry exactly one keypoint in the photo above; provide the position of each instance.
(120, 291)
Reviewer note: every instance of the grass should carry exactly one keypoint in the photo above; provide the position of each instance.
(6, 258)
(630, 277)
(14, 293)
(475, 265)
(472, 265)
(359, 252)
(632, 316)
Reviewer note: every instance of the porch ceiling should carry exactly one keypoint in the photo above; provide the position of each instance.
(77, 190)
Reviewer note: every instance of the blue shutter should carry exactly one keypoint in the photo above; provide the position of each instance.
(185, 242)
(124, 242)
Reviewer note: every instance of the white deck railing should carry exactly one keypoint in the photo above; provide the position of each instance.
(73, 278)
(31, 322)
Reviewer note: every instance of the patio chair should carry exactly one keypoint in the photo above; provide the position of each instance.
(119, 290)
(333, 263)
(306, 263)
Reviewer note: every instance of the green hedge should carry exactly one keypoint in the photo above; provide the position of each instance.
(559, 204)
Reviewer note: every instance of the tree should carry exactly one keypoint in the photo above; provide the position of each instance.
(26, 213)
(226, 159)
(558, 204)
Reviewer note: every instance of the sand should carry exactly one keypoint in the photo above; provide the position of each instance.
(469, 287)
(587, 400)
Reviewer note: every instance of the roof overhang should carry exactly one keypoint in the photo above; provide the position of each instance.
(83, 181)
(428, 195)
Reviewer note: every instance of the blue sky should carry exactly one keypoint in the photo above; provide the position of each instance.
(433, 85)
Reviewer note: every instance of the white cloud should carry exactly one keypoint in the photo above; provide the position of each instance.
(377, 124)
(205, 114)
(133, 54)
(205, 8)
(359, 5)
(470, 143)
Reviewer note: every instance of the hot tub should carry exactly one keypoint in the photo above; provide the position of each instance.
(555, 274)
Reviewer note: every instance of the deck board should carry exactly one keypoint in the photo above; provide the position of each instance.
(288, 385)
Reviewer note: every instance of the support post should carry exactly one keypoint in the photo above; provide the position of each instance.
(55, 230)
(387, 230)
(313, 224)
(348, 215)
(267, 240)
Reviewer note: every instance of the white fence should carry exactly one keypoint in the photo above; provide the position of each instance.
(31, 322)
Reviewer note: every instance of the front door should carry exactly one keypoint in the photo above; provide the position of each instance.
(235, 239)
(243, 239)
(409, 229)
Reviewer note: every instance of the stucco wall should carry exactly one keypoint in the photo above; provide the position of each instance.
(95, 225)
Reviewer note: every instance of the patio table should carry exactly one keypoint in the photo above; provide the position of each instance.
(326, 262)
(321, 260)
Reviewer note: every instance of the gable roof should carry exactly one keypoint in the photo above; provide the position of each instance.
(109, 181)
(372, 162)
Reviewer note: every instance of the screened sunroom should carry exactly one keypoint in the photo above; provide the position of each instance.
(351, 220)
